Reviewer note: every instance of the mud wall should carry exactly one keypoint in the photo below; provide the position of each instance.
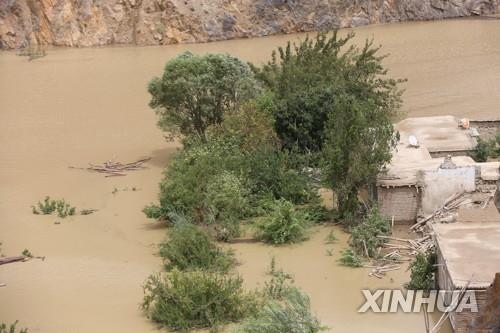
(440, 184)
(399, 202)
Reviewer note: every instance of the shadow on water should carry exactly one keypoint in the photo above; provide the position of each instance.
(161, 157)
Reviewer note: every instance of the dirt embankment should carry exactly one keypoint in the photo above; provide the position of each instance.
(159, 22)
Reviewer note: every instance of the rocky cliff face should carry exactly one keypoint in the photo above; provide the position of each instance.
(156, 22)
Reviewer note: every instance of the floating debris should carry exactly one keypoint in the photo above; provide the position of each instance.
(113, 169)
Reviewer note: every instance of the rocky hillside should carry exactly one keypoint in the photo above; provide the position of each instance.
(155, 22)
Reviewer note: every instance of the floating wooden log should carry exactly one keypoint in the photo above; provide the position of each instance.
(116, 169)
(9, 260)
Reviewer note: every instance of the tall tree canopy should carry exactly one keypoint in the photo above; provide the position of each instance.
(335, 99)
(196, 92)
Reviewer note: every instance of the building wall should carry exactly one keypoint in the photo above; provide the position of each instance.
(488, 318)
(400, 202)
(460, 321)
(438, 185)
(438, 154)
(488, 129)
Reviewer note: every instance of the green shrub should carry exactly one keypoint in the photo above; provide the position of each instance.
(12, 328)
(218, 183)
(64, 209)
(350, 259)
(279, 286)
(250, 127)
(226, 201)
(316, 213)
(27, 253)
(364, 238)
(422, 269)
(330, 238)
(184, 188)
(283, 225)
(190, 248)
(225, 195)
(196, 299)
(290, 315)
(273, 172)
(153, 211)
(49, 206)
(486, 149)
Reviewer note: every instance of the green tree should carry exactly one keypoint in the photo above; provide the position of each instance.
(359, 142)
(303, 79)
(198, 91)
(423, 270)
(338, 102)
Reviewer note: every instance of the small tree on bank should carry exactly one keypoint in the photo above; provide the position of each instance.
(196, 92)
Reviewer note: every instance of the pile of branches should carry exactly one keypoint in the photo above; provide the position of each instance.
(407, 247)
(113, 169)
(447, 213)
(381, 269)
(398, 251)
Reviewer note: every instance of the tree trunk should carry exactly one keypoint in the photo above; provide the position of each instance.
(348, 203)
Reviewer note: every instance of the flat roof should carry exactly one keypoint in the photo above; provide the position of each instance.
(408, 161)
(471, 249)
(438, 134)
(433, 133)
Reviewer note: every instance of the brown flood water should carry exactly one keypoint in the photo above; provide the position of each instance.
(77, 106)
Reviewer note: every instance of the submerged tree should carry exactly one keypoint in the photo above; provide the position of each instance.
(358, 143)
(196, 92)
(337, 102)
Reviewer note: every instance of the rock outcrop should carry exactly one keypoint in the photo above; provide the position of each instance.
(157, 22)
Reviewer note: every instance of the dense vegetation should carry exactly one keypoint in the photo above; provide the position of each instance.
(291, 315)
(190, 248)
(423, 271)
(197, 91)
(334, 99)
(283, 225)
(285, 308)
(486, 149)
(257, 143)
(235, 175)
(186, 300)
(364, 236)
(249, 138)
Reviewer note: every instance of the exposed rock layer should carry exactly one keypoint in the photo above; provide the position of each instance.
(157, 22)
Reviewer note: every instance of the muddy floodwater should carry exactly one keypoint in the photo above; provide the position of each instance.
(77, 106)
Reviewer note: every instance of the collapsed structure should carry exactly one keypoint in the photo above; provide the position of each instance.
(433, 183)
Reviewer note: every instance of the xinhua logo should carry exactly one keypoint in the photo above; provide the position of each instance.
(414, 300)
